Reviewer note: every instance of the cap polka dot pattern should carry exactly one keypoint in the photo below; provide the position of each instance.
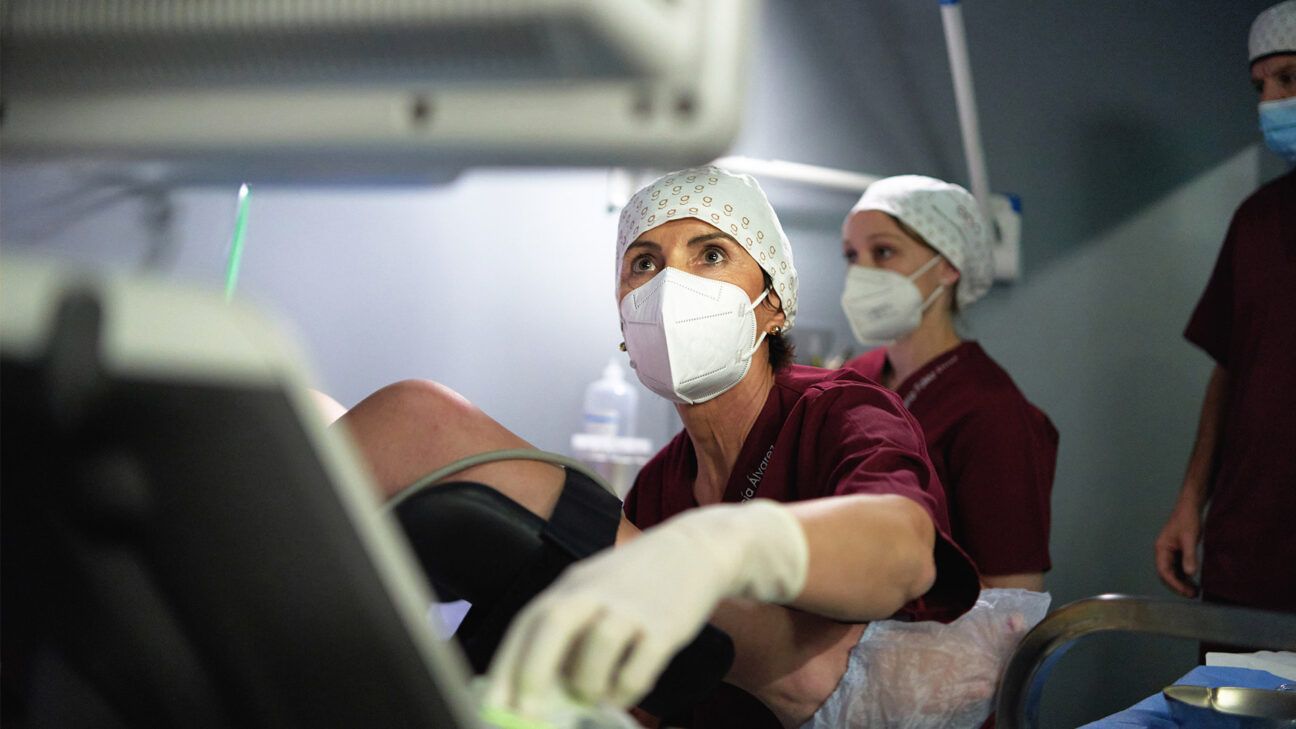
(730, 202)
(947, 217)
(1274, 31)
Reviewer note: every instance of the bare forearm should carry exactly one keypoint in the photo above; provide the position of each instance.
(869, 555)
(789, 659)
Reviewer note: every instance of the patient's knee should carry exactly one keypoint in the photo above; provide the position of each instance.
(422, 394)
(411, 427)
(427, 404)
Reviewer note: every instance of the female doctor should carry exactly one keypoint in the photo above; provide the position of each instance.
(918, 251)
(819, 493)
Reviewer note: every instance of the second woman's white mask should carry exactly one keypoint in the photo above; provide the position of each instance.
(883, 306)
(690, 338)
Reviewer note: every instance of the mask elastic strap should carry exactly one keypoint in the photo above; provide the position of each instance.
(761, 338)
(932, 299)
(925, 267)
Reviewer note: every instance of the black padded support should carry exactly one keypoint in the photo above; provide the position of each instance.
(514, 553)
(506, 540)
(481, 546)
(483, 628)
(472, 540)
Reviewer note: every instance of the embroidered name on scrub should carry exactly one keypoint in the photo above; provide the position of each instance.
(754, 478)
(927, 379)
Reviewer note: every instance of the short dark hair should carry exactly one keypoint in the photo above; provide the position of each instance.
(782, 351)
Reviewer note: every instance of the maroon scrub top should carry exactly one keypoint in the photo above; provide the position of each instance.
(993, 450)
(821, 433)
(1246, 321)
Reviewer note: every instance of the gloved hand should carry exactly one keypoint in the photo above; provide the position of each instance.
(605, 629)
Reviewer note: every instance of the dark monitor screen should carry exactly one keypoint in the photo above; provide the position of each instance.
(178, 550)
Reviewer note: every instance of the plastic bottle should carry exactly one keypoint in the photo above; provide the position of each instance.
(607, 442)
(611, 404)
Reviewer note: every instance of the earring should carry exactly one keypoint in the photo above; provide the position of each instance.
(777, 330)
(621, 346)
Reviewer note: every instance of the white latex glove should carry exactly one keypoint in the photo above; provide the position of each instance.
(608, 626)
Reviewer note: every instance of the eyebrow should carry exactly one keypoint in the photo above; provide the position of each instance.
(885, 237)
(696, 240)
(1286, 67)
(643, 244)
(710, 236)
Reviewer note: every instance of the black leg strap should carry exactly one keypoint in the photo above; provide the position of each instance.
(585, 518)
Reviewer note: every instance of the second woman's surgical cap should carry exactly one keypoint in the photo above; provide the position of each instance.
(732, 203)
(1274, 31)
(948, 219)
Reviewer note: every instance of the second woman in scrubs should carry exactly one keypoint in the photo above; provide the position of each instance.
(918, 252)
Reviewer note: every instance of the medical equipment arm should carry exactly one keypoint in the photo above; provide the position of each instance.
(1176, 545)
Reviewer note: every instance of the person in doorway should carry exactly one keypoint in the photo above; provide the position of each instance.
(918, 251)
(1243, 463)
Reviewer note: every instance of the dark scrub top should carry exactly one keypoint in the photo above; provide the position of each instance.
(821, 433)
(993, 450)
(1246, 321)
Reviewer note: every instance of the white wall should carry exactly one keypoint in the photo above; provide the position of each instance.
(499, 284)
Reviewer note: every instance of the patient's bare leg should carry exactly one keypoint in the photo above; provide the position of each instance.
(409, 429)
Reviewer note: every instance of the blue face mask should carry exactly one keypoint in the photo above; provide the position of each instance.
(1278, 122)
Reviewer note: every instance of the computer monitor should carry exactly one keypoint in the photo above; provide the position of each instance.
(184, 543)
(290, 90)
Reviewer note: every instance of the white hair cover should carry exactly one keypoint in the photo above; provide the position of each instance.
(948, 219)
(1274, 31)
(732, 203)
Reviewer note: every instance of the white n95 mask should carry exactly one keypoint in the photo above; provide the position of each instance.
(883, 306)
(690, 338)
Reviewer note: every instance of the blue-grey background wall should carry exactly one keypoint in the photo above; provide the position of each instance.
(1128, 128)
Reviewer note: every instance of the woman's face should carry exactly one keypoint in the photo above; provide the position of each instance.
(698, 248)
(872, 238)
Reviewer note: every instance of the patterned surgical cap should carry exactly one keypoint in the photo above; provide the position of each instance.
(948, 219)
(734, 204)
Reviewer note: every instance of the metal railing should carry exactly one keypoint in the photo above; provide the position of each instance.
(1030, 665)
